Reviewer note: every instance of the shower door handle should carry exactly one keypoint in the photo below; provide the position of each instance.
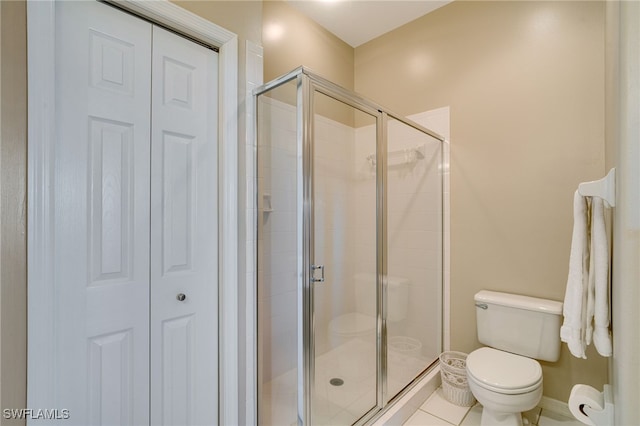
(315, 268)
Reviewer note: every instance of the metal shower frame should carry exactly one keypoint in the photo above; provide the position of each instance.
(307, 83)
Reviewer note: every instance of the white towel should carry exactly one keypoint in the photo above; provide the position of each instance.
(575, 299)
(591, 279)
(600, 263)
(591, 287)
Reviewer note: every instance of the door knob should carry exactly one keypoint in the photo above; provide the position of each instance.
(181, 297)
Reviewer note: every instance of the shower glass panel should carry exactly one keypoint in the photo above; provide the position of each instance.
(414, 253)
(344, 245)
(279, 243)
(349, 253)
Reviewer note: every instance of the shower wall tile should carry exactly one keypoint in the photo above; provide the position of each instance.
(333, 154)
(250, 200)
(277, 252)
(406, 258)
(345, 198)
(282, 220)
(415, 205)
(250, 160)
(278, 163)
(404, 236)
(428, 202)
(250, 248)
(438, 120)
(282, 199)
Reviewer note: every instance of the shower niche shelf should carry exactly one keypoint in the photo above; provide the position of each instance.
(266, 203)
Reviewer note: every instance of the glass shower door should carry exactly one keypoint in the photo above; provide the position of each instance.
(414, 253)
(279, 268)
(349, 253)
(343, 263)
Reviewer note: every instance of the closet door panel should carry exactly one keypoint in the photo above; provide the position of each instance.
(184, 258)
(101, 195)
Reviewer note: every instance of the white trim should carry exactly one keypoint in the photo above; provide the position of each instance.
(41, 84)
(624, 366)
(228, 231)
(178, 19)
(40, 162)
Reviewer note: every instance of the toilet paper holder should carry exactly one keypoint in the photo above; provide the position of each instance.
(592, 407)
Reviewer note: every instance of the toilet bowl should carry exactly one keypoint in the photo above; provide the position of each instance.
(506, 377)
(504, 384)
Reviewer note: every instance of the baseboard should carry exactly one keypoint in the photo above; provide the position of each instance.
(556, 406)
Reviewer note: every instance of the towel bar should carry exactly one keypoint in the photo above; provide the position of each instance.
(402, 156)
(604, 188)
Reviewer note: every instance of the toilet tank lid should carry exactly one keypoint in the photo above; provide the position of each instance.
(519, 301)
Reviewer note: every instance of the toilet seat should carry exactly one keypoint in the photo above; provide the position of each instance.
(503, 372)
(353, 324)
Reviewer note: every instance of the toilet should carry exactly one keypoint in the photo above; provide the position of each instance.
(362, 322)
(505, 376)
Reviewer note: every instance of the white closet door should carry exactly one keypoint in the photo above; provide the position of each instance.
(184, 258)
(101, 196)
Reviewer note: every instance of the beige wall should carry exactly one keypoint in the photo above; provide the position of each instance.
(290, 39)
(612, 68)
(525, 83)
(241, 17)
(244, 18)
(13, 154)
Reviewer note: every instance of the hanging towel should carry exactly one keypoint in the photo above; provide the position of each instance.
(575, 299)
(591, 279)
(600, 263)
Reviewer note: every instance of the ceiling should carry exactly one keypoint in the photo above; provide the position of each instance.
(358, 21)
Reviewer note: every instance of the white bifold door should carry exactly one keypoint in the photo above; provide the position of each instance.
(135, 235)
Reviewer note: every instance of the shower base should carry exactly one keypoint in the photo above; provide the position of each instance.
(353, 363)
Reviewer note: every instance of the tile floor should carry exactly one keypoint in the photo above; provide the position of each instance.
(437, 411)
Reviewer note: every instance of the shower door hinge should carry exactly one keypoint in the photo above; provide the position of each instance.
(315, 268)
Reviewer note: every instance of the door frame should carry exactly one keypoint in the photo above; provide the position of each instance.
(41, 374)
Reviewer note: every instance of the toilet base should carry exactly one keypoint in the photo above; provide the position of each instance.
(493, 418)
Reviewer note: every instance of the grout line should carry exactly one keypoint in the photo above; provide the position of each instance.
(444, 420)
(468, 412)
(433, 415)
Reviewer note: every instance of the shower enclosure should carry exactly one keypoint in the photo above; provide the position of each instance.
(349, 255)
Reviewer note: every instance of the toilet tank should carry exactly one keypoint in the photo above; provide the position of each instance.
(397, 293)
(522, 325)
